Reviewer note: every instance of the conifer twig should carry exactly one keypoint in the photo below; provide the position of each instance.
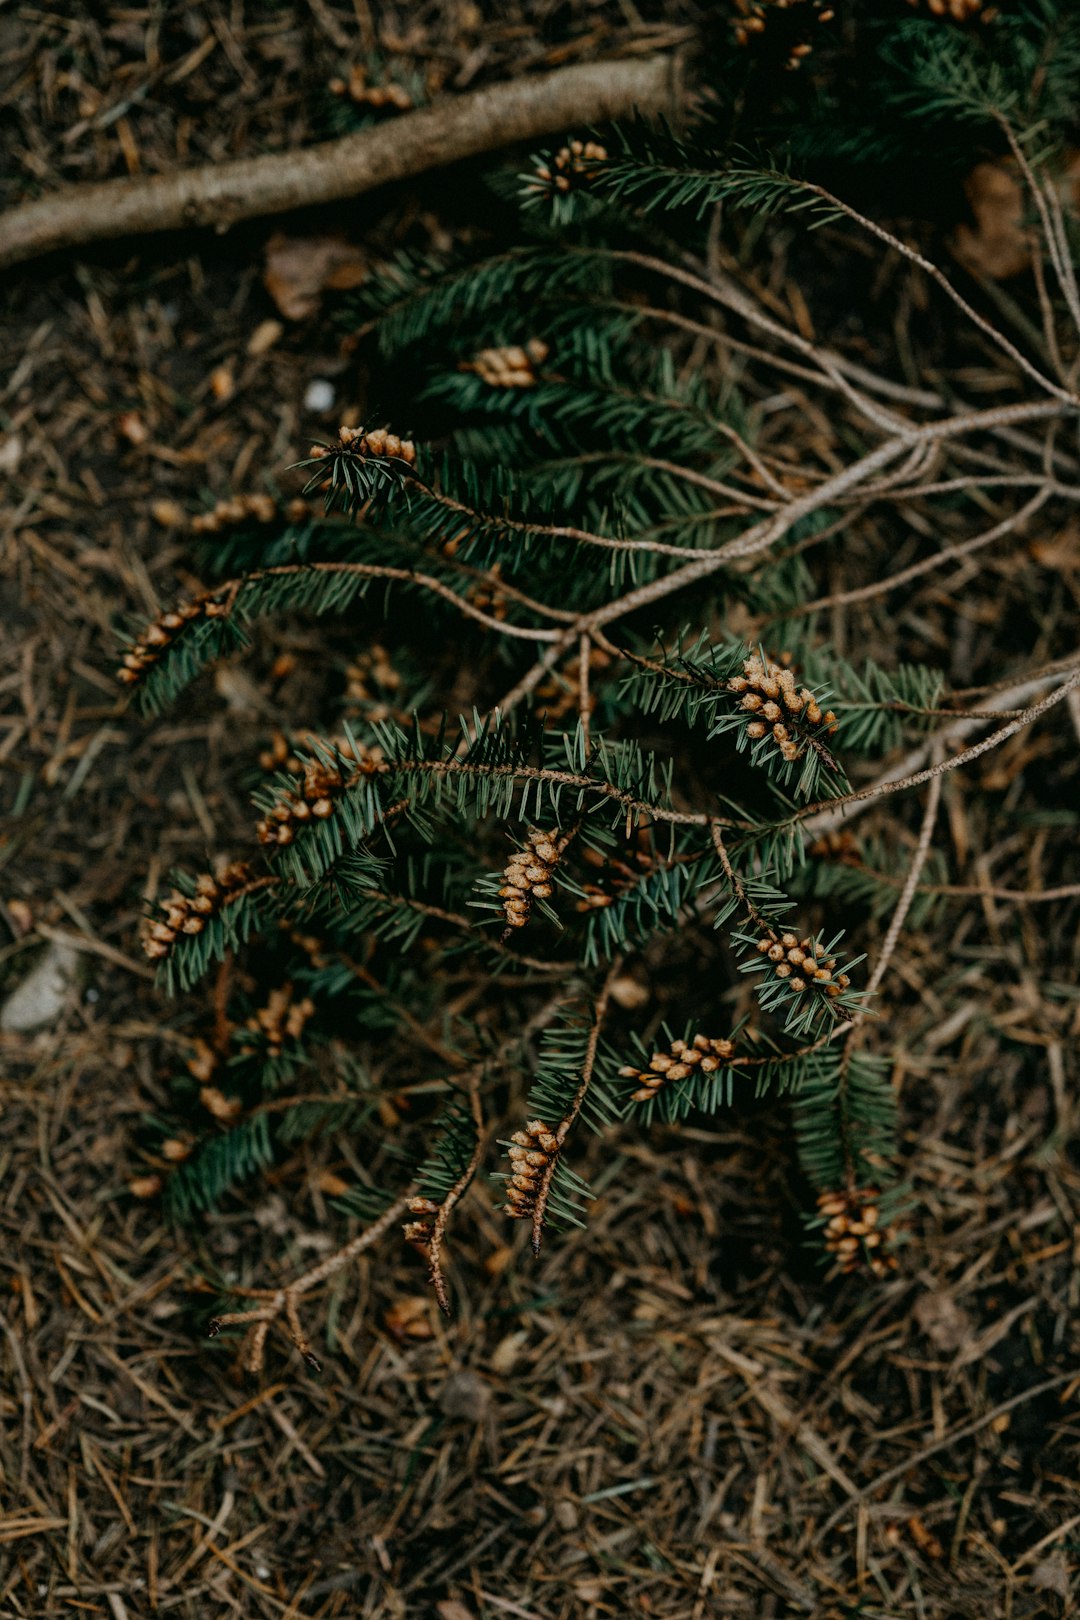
(953, 553)
(901, 784)
(907, 893)
(562, 1130)
(838, 812)
(438, 1229)
(938, 275)
(584, 696)
(283, 1301)
(760, 536)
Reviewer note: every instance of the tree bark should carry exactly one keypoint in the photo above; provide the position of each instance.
(218, 195)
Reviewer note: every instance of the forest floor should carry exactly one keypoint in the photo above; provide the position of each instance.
(671, 1414)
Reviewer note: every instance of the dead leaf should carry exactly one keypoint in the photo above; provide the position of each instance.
(170, 514)
(497, 1261)
(11, 450)
(22, 918)
(264, 337)
(409, 1318)
(299, 269)
(925, 1539)
(1060, 551)
(145, 1186)
(997, 244)
(507, 1351)
(629, 993)
(451, 1609)
(942, 1320)
(222, 383)
(225, 1109)
(1052, 1575)
(133, 427)
(464, 1395)
(334, 1186)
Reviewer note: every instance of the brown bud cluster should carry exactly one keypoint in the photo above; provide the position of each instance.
(528, 876)
(280, 757)
(243, 509)
(189, 914)
(226, 1110)
(802, 963)
(570, 166)
(768, 693)
(752, 18)
(511, 367)
(560, 693)
(840, 845)
(159, 635)
(368, 679)
(854, 1234)
(532, 1151)
(487, 596)
(363, 94)
(376, 443)
(204, 1059)
(956, 10)
(313, 798)
(420, 1229)
(319, 786)
(682, 1059)
(617, 873)
(281, 1019)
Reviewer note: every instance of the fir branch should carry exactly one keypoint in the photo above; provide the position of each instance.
(596, 1112)
(444, 1177)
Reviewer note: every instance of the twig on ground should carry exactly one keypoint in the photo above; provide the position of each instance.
(219, 194)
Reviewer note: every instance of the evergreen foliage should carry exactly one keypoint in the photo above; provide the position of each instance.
(615, 550)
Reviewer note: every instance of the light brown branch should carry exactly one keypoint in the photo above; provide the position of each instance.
(925, 565)
(438, 1230)
(908, 892)
(460, 127)
(564, 1126)
(283, 1301)
(830, 812)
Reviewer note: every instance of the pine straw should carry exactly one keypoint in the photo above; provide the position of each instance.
(671, 1415)
(662, 1417)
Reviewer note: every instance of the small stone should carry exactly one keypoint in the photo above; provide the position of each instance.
(464, 1395)
(41, 997)
(319, 396)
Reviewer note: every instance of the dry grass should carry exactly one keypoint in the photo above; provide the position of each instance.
(671, 1414)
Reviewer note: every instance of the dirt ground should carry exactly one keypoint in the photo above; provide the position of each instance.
(671, 1414)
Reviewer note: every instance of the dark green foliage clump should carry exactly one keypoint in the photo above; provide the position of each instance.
(611, 591)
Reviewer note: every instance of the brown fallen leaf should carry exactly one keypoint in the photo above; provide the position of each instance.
(265, 335)
(133, 427)
(170, 514)
(998, 243)
(334, 1186)
(145, 1186)
(1060, 551)
(299, 269)
(409, 1318)
(942, 1320)
(222, 383)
